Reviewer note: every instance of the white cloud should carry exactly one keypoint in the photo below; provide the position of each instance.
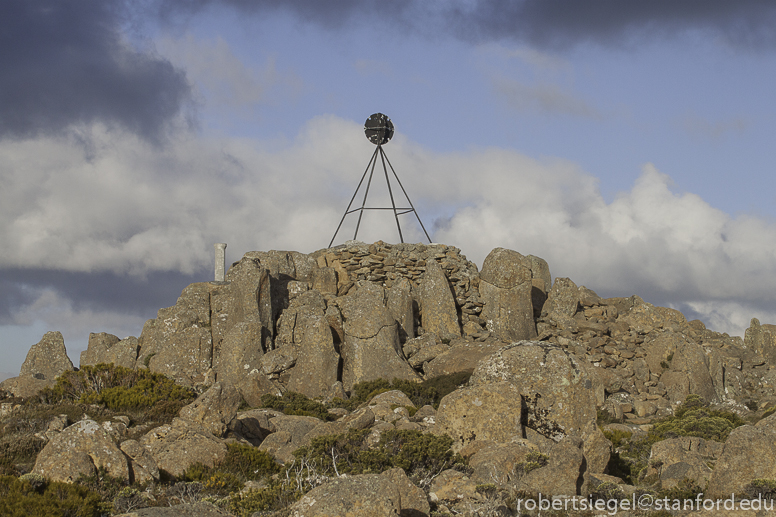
(132, 208)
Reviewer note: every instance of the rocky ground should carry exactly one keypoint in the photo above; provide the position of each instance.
(569, 395)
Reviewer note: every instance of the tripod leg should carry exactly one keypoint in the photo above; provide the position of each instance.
(390, 192)
(408, 198)
(366, 193)
(374, 157)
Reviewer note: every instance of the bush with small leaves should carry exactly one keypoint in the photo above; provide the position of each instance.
(115, 387)
(19, 498)
(429, 392)
(128, 499)
(607, 491)
(760, 489)
(417, 453)
(292, 403)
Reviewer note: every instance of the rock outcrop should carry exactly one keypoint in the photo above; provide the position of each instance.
(45, 361)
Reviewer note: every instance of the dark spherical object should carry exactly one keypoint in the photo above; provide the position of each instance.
(378, 129)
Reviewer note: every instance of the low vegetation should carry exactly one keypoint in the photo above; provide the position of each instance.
(692, 418)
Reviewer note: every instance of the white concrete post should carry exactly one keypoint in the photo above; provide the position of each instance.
(220, 261)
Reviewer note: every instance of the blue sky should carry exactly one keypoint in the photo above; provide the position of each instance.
(628, 144)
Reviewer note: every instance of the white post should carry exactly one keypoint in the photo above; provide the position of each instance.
(220, 261)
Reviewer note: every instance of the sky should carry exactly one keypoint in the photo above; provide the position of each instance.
(629, 144)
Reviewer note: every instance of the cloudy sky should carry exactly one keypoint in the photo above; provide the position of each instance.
(627, 143)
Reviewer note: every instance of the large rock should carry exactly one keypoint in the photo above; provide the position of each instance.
(288, 434)
(109, 349)
(142, 466)
(749, 453)
(178, 343)
(556, 390)
(486, 412)
(437, 304)
(78, 450)
(177, 446)
(215, 409)
(688, 366)
(400, 305)
(46, 360)
(414, 502)
(495, 462)
(240, 360)
(317, 365)
(462, 355)
(371, 349)
(564, 473)
(505, 288)
(762, 340)
(366, 495)
(676, 459)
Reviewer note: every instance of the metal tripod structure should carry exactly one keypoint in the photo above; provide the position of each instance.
(370, 168)
(385, 132)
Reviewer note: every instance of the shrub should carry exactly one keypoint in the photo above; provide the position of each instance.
(533, 461)
(691, 418)
(19, 498)
(617, 437)
(417, 453)
(272, 498)
(115, 387)
(607, 491)
(249, 463)
(292, 403)
(760, 488)
(430, 391)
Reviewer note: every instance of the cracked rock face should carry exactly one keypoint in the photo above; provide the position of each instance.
(371, 349)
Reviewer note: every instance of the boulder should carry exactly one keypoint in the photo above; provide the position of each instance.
(485, 412)
(178, 343)
(215, 409)
(749, 453)
(109, 349)
(562, 300)
(360, 419)
(437, 304)
(462, 355)
(241, 360)
(371, 349)
(46, 360)
(505, 287)
(762, 340)
(414, 502)
(400, 306)
(675, 459)
(564, 473)
(288, 434)
(366, 495)
(81, 449)
(317, 365)
(496, 463)
(142, 467)
(177, 446)
(451, 486)
(556, 391)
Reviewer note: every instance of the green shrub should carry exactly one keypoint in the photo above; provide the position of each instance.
(269, 499)
(691, 418)
(428, 392)
(417, 453)
(760, 488)
(292, 403)
(19, 498)
(685, 489)
(249, 463)
(607, 491)
(617, 437)
(115, 387)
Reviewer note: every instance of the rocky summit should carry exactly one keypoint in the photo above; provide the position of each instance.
(560, 393)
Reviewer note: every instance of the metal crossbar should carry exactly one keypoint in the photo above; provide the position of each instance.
(370, 168)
